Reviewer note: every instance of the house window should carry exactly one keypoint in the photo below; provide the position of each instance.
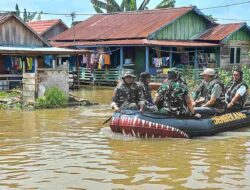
(235, 54)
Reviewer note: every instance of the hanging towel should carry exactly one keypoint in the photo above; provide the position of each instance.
(101, 58)
(107, 59)
(99, 65)
(16, 65)
(160, 62)
(92, 59)
(30, 63)
(155, 62)
(84, 59)
(20, 63)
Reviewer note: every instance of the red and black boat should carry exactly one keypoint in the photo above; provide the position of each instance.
(154, 125)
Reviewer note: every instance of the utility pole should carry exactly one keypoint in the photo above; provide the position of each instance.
(73, 16)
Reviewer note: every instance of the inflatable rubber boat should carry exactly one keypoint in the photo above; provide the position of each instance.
(154, 125)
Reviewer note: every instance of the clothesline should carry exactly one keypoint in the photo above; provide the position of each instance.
(107, 52)
(199, 51)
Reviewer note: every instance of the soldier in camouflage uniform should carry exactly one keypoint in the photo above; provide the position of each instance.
(179, 77)
(175, 98)
(145, 79)
(128, 94)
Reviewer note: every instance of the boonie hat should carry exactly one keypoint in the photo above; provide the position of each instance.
(128, 73)
(208, 71)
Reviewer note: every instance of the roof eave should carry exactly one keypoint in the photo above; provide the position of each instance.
(59, 21)
(194, 8)
(203, 15)
(224, 40)
(29, 28)
(6, 18)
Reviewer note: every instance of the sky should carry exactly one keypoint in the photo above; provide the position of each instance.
(239, 12)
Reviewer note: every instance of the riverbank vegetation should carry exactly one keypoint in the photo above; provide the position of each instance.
(53, 98)
(10, 99)
(224, 75)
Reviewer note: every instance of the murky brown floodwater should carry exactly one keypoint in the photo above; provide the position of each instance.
(70, 149)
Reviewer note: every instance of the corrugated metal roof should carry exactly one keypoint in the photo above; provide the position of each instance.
(43, 26)
(220, 31)
(139, 42)
(127, 25)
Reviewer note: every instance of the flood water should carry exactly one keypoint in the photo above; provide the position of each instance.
(71, 149)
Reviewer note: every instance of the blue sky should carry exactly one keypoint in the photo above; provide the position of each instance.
(84, 6)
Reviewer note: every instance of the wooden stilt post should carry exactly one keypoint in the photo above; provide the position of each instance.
(78, 73)
(196, 63)
(171, 58)
(121, 61)
(147, 59)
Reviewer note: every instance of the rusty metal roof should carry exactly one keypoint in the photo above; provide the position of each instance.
(43, 26)
(220, 31)
(128, 25)
(139, 42)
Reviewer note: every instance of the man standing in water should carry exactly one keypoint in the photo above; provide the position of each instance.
(236, 92)
(128, 94)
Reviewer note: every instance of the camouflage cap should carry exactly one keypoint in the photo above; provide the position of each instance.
(127, 74)
(172, 74)
(145, 75)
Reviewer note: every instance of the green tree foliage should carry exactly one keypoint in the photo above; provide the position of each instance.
(210, 17)
(109, 6)
(27, 16)
(226, 75)
(165, 4)
(39, 16)
(17, 10)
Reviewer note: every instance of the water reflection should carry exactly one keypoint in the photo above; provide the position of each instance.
(70, 149)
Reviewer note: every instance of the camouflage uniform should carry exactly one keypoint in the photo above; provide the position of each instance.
(179, 77)
(149, 104)
(128, 96)
(173, 94)
(146, 92)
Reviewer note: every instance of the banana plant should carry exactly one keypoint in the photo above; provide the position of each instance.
(109, 6)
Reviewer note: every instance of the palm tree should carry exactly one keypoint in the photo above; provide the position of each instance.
(126, 5)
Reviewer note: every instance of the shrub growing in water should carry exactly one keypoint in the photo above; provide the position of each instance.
(53, 98)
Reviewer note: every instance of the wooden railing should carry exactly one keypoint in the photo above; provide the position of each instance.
(194, 73)
(111, 76)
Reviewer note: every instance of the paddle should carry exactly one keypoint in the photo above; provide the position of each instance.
(107, 120)
(122, 107)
